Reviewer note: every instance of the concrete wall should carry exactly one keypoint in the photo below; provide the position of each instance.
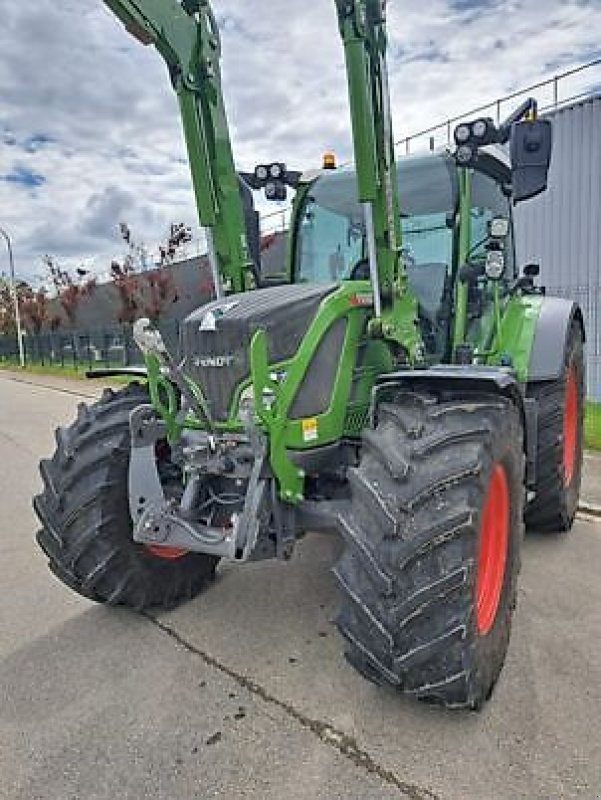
(192, 280)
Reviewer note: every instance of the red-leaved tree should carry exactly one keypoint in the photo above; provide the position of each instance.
(125, 279)
(179, 235)
(127, 285)
(150, 293)
(7, 307)
(162, 292)
(70, 290)
(34, 308)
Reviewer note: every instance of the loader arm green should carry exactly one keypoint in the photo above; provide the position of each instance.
(187, 37)
(363, 30)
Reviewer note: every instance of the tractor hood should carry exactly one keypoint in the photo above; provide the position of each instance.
(216, 338)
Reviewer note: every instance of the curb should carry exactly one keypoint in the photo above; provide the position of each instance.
(590, 509)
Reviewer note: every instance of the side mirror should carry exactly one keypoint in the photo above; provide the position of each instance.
(531, 146)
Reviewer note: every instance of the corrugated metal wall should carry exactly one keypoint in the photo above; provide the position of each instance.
(561, 229)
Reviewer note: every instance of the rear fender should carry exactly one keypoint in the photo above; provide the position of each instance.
(555, 321)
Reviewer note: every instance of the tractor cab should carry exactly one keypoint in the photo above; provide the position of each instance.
(329, 243)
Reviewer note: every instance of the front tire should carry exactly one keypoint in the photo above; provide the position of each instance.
(86, 525)
(433, 535)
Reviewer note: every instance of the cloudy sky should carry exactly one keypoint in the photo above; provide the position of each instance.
(89, 128)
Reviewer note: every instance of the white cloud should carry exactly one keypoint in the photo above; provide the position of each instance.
(90, 110)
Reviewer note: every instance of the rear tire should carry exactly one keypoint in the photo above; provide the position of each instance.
(560, 443)
(428, 577)
(86, 526)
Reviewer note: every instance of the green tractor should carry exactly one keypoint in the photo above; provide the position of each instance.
(400, 383)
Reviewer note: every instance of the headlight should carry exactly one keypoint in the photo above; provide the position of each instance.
(246, 406)
(495, 265)
(275, 190)
(462, 134)
(479, 129)
(465, 154)
(149, 339)
(247, 394)
(276, 171)
(261, 173)
(499, 228)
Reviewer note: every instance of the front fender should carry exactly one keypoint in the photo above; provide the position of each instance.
(497, 380)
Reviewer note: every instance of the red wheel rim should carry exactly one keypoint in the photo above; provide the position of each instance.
(570, 427)
(166, 553)
(492, 559)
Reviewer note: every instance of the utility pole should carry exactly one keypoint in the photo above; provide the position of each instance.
(13, 284)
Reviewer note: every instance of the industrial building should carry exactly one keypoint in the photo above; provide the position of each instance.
(561, 229)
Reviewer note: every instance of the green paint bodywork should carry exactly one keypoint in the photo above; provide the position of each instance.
(273, 399)
(514, 341)
(465, 240)
(162, 396)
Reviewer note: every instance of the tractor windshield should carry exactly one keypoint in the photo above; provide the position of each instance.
(331, 233)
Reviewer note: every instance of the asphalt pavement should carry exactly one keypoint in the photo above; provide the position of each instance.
(244, 693)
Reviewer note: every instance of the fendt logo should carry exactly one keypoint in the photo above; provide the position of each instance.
(214, 362)
(211, 318)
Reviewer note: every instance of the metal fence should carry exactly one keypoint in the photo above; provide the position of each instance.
(553, 93)
(106, 348)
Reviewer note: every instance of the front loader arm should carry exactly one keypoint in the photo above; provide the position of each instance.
(363, 29)
(186, 35)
